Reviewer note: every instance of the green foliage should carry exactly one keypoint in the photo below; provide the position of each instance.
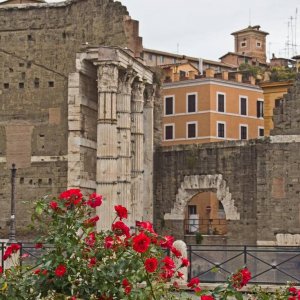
(199, 238)
(282, 74)
(250, 70)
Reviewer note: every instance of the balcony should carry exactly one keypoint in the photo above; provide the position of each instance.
(205, 226)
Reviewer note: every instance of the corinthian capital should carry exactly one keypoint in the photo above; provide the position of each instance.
(138, 91)
(125, 81)
(108, 75)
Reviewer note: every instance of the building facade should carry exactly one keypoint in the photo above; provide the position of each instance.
(211, 109)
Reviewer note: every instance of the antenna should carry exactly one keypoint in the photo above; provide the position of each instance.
(296, 14)
(249, 16)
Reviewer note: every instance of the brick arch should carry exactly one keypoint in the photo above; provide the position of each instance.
(194, 184)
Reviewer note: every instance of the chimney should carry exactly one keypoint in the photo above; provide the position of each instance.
(225, 75)
(238, 77)
(192, 74)
(176, 77)
(252, 80)
(210, 73)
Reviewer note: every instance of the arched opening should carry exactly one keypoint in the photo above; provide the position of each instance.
(205, 214)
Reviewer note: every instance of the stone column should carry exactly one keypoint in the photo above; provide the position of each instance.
(148, 154)
(124, 138)
(107, 151)
(137, 138)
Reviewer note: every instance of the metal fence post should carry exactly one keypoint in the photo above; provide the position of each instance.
(12, 229)
(245, 256)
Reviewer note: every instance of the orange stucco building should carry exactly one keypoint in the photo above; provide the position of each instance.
(211, 109)
(272, 91)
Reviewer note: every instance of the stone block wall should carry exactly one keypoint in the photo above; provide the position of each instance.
(38, 46)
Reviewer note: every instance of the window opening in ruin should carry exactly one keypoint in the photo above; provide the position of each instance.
(21, 180)
(6, 85)
(21, 65)
(205, 214)
(50, 181)
(36, 82)
(29, 37)
(50, 83)
(21, 85)
(261, 132)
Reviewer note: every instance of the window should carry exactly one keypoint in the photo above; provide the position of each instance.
(192, 209)
(221, 102)
(169, 105)
(243, 106)
(243, 132)
(150, 56)
(243, 44)
(6, 85)
(260, 109)
(162, 59)
(261, 131)
(50, 83)
(191, 103)
(191, 130)
(182, 74)
(258, 44)
(221, 130)
(169, 132)
(21, 85)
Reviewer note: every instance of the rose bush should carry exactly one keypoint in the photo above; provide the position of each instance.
(115, 264)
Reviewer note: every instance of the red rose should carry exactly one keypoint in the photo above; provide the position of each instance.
(126, 285)
(176, 252)
(60, 270)
(7, 253)
(91, 222)
(151, 264)
(92, 262)
(145, 225)
(167, 242)
(207, 297)
(293, 290)
(141, 242)
(53, 205)
(167, 273)
(15, 247)
(168, 263)
(72, 196)
(241, 278)
(120, 228)
(38, 246)
(95, 200)
(121, 212)
(179, 274)
(1, 270)
(44, 272)
(185, 262)
(176, 285)
(108, 242)
(91, 239)
(193, 282)
(37, 271)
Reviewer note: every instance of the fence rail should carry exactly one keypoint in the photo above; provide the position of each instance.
(268, 265)
(213, 264)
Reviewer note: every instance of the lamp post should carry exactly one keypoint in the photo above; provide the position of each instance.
(209, 229)
(12, 229)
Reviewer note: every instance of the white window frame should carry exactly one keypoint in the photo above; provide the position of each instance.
(165, 107)
(187, 103)
(217, 102)
(187, 130)
(173, 131)
(258, 128)
(217, 130)
(262, 100)
(240, 131)
(247, 105)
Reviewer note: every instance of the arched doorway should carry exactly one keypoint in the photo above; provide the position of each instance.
(205, 214)
(198, 184)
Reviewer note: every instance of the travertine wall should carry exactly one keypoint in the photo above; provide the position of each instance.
(262, 182)
(38, 46)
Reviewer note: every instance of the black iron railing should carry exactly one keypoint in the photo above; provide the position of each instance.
(205, 226)
(268, 265)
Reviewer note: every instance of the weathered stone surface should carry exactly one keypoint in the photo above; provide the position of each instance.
(38, 48)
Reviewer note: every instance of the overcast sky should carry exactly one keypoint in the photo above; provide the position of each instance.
(202, 28)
